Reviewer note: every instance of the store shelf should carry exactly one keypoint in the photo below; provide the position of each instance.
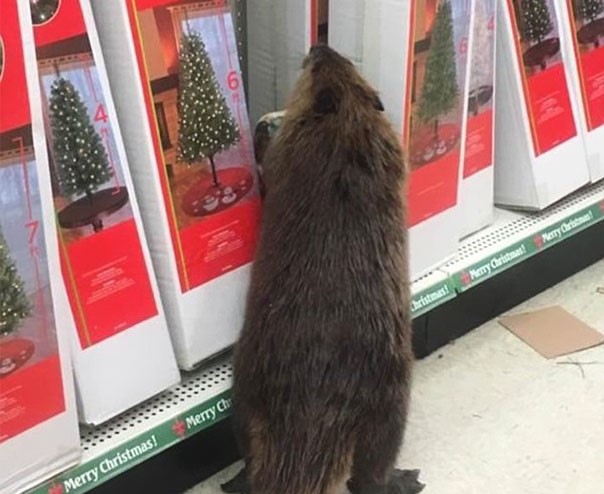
(203, 398)
(200, 401)
(515, 237)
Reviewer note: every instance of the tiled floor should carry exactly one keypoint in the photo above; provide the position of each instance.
(491, 416)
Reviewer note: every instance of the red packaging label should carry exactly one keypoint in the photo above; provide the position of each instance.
(479, 143)
(58, 21)
(433, 188)
(211, 197)
(587, 25)
(479, 137)
(107, 273)
(437, 68)
(31, 385)
(102, 258)
(544, 81)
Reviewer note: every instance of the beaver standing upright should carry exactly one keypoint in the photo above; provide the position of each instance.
(323, 365)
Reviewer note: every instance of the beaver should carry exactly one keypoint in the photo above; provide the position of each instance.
(322, 369)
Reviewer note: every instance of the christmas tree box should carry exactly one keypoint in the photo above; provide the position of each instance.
(39, 434)
(105, 259)
(583, 21)
(423, 88)
(539, 153)
(477, 185)
(280, 33)
(346, 32)
(175, 69)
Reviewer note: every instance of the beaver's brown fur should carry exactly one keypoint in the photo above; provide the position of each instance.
(323, 365)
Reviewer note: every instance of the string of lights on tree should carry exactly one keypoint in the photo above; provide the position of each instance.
(536, 20)
(589, 9)
(482, 57)
(440, 89)
(206, 125)
(14, 304)
(82, 161)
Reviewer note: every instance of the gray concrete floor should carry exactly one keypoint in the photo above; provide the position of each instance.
(490, 415)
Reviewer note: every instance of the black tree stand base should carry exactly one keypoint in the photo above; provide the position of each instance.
(537, 55)
(85, 211)
(591, 33)
(478, 97)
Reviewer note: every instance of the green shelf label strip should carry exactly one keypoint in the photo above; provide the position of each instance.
(530, 246)
(432, 297)
(116, 461)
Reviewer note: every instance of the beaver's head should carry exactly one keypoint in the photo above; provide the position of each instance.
(330, 84)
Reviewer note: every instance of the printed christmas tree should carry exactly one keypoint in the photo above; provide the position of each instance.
(536, 20)
(206, 125)
(43, 10)
(482, 56)
(78, 150)
(14, 304)
(440, 89)
(589, 10)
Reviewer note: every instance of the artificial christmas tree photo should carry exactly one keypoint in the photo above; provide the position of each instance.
(14, 308)
(535, 25)
(440, 89)
(82, 161)
(43, 10)
(206, 128)
(589, 12)
(206, 125)
(481, 71)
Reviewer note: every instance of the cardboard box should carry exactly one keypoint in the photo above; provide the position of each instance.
(122, 352)
(279, 37)
(39, 434)
(199, 199)
(346, 29)
(477, 186)
(539, 152)
(425, 101)
(583, 23)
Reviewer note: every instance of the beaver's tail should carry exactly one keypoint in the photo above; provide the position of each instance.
(307, 457)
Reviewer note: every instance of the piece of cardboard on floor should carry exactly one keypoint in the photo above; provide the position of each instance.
(553, 332)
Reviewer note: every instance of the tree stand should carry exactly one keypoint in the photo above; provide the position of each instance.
(537, 55)
(90, 210)
(214, 174)
(591, 33)
(478, 97)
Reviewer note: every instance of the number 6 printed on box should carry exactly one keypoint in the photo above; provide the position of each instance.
(183, 112)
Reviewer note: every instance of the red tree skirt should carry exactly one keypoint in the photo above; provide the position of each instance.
(426, 149)
(204, 198)
(84, 212)
(538, 54)
(14, 353)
